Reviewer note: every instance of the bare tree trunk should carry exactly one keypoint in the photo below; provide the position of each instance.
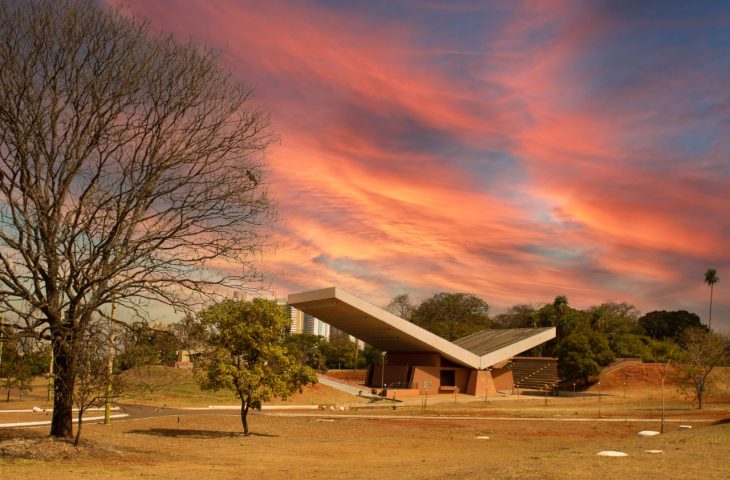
(700, 391)
(244, 414)
(78, 428)
(65, 375)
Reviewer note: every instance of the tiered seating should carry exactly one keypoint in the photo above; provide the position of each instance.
(535, 373)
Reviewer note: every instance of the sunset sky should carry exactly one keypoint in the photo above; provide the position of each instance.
(516, 151)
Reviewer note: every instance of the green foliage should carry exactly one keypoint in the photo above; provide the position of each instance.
(564, 318)
(340, 353)
(308, 349)
(188, 332)
(452, 315)
(660, 351)
(144, 344)
(582, 355)
(371, 355)
(18, 361)
(245, 352)
(670, 325)
(615, 318)
(711, 277)
(629, 345)
(517, 316)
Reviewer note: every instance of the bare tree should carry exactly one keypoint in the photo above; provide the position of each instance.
(95, 381)
(128, 164)
(401, 306)
(702, 351)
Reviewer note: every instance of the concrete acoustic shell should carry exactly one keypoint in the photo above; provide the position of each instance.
(390, 333)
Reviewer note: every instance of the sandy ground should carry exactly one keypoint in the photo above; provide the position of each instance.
(527, 439)
(284, 447)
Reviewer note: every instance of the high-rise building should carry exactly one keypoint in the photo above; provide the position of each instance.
(297, 320)
(304, 323)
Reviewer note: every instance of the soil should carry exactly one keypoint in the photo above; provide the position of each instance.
(307, 447)
(350, 376)
(405, 443)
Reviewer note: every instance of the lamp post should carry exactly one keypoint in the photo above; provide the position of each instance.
(382, 370)
(664, 374)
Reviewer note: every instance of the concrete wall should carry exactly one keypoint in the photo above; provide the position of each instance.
(502, 378)
(419, 375)
(479, 381)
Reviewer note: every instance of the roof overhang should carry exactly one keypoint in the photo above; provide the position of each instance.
(390, 333)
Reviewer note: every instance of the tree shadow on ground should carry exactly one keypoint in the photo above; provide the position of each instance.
(189, 433)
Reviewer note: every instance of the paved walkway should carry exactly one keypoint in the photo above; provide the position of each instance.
(43, 423)
(358, 391)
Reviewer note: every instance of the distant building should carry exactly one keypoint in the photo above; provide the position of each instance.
(305, 323)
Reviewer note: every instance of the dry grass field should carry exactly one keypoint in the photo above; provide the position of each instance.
(302, 447)
(527, 439)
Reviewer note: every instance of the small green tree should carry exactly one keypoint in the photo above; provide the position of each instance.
(16, 361)
(339, 353)
(583, 355)
(245, 352)
(145, 344)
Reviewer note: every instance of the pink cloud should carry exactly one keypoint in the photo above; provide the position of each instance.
(580, 204)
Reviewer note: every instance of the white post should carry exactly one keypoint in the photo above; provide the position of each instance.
(110, 367)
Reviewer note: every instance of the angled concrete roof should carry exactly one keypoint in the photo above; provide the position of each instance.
(496, 345)
(388, 332)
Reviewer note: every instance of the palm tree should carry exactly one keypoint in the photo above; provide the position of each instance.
(560, 304)
(711, 279)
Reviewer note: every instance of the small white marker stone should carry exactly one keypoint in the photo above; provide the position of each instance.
(611, 453)
(648, 433)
